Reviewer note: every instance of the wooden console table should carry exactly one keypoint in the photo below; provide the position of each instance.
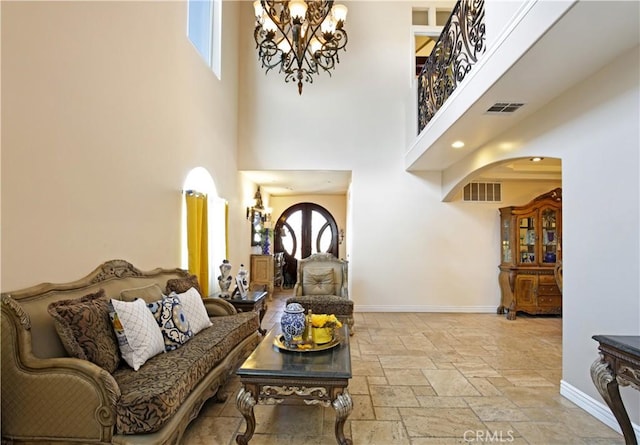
(619, 364)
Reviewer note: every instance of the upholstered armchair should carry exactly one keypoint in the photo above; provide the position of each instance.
(321, 287)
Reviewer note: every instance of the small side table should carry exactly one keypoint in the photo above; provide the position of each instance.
(255, 301)
(619, 364)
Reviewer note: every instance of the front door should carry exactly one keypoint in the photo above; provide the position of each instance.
(301, 230)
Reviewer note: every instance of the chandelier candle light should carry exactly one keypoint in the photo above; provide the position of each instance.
(299, 36)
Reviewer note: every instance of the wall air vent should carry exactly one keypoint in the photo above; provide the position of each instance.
(504, 107)
(482, 192)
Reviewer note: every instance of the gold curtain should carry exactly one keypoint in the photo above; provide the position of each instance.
(198, 238)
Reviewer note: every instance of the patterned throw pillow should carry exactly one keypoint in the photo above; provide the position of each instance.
(180, 285)
(149, 293)
(138, 333)
(172, 321)
(85, 329)
(318, 281)
(194, 309)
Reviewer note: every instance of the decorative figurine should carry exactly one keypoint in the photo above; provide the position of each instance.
(225, 279)
(242, 282)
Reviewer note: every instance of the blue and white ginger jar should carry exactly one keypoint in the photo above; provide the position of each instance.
(292, 322)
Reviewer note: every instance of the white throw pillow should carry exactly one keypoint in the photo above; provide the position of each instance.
(138, 333)
(194, 309)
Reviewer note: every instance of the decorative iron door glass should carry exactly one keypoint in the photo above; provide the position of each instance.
(317, 237)
(302, 230)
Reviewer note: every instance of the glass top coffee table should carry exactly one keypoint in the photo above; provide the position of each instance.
(270, 375)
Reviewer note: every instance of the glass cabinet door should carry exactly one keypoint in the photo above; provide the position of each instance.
(549, 236)
(527, 239)
(506, 240)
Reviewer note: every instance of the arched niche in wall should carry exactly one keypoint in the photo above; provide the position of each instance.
(199, 180)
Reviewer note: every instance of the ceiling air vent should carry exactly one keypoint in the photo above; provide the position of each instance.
(482, 192)
(504, 107)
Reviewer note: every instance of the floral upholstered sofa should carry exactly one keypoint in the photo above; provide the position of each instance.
(64, 373)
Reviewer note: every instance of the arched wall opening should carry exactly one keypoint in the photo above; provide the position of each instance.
(199, 180)
(520, 168)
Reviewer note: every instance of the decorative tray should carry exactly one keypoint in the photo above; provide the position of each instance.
(279, 342)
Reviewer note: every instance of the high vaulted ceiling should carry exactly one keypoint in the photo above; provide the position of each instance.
(557, 61)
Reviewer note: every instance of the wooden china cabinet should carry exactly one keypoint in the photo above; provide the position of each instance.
(531, 237)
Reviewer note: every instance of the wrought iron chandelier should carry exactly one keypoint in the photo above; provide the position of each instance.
(299, 36)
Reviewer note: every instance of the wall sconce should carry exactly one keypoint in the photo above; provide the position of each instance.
(257, 208)
(341, 236)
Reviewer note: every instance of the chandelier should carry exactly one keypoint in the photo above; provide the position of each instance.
(300, 37)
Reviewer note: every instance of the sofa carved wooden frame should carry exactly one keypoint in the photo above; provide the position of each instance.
(33, 383)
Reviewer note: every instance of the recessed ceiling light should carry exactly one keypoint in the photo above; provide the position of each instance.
(536, 159)
(458, 144)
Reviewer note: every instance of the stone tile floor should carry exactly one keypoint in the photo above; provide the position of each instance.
(427, 379)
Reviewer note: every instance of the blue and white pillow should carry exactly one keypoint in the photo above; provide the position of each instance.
(139, 337)
(194, 308)
(173, 322)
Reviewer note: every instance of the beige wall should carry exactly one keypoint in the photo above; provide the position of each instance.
(106, 107)
(600, 146)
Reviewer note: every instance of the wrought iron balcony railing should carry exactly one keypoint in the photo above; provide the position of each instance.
(460, 45)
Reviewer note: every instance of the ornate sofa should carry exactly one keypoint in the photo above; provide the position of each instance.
(322, 287)
(50, 397)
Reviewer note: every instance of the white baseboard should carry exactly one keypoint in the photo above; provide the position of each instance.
(594, 407)
(395, 308)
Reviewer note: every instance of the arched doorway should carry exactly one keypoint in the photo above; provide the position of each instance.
(199, 181)
(301, 230)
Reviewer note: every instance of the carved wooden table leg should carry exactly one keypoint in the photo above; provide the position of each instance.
(511, 315)
(343, 406)
(607, 385)
(245, 403)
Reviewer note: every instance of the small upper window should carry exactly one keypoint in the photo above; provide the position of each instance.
(427, 24)
(204, 25)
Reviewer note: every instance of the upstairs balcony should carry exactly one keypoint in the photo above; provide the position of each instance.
(497, 63)
(460, 45)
